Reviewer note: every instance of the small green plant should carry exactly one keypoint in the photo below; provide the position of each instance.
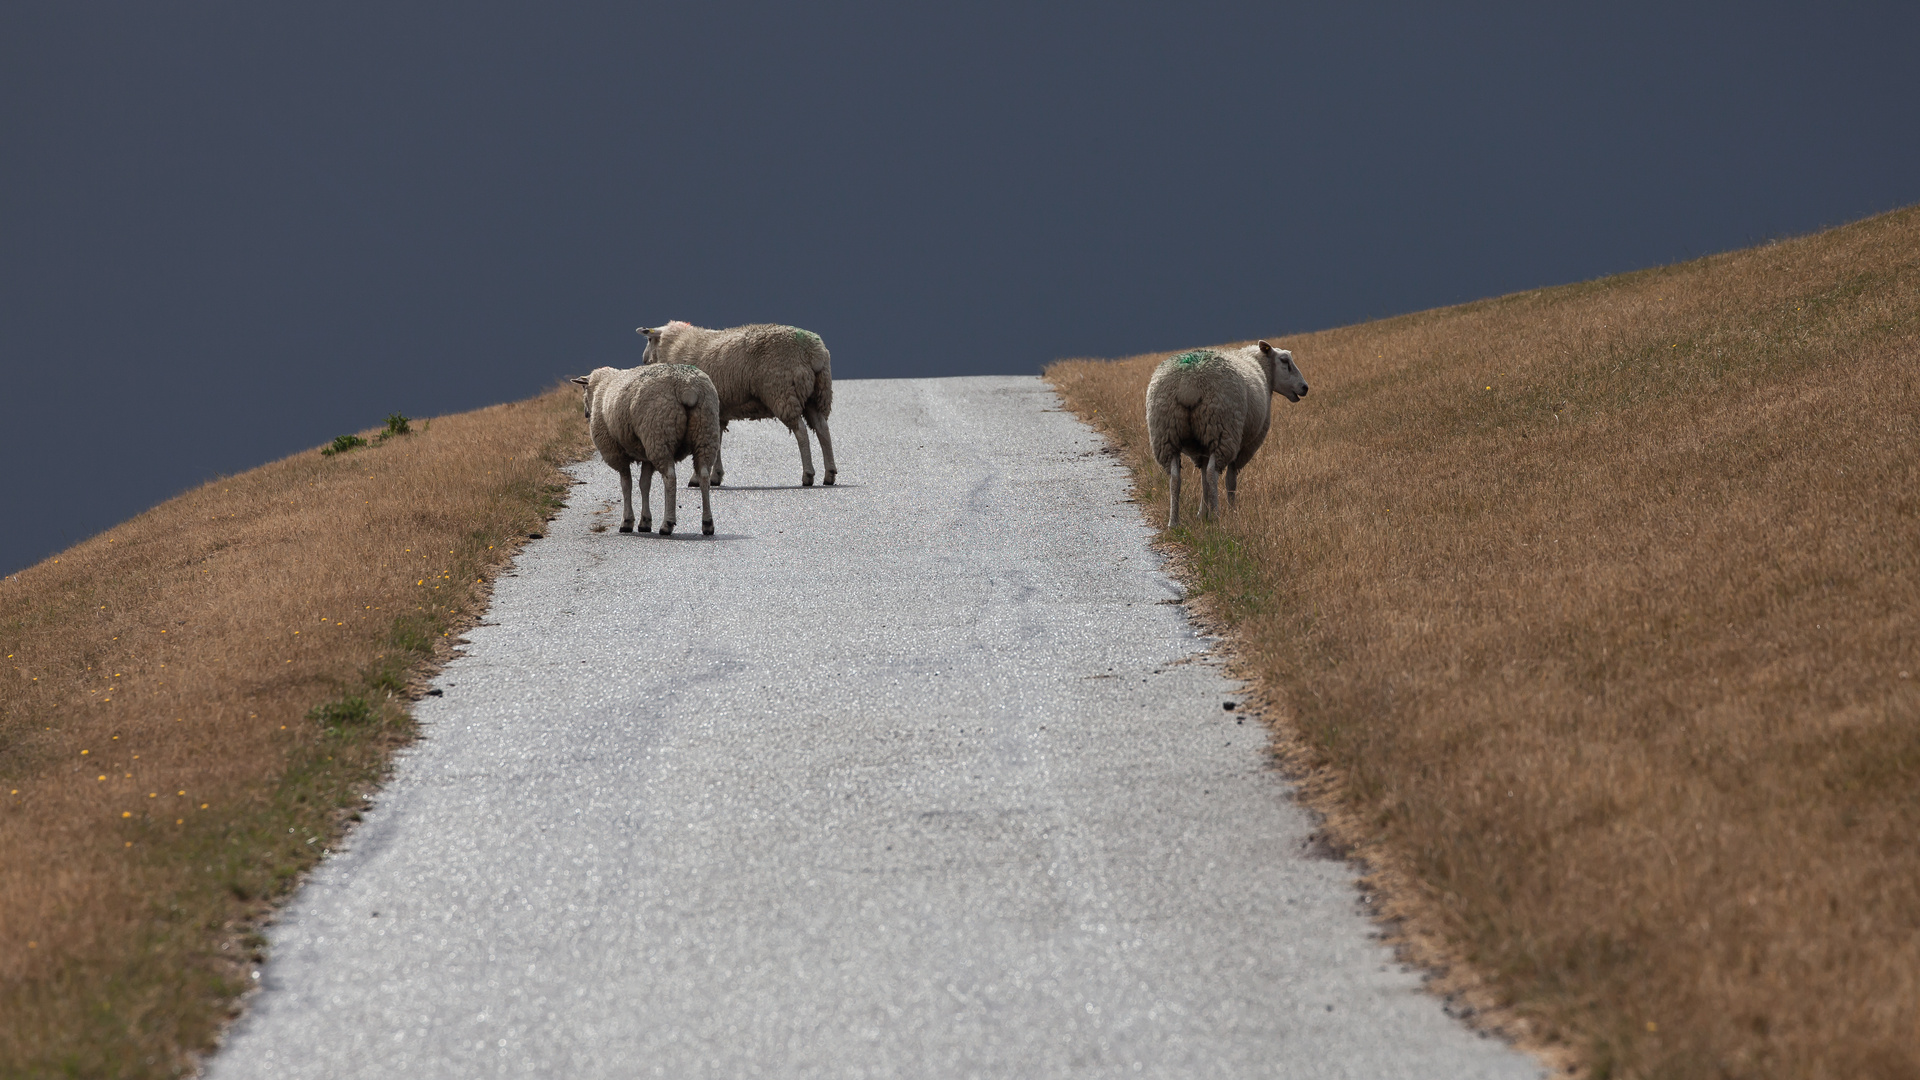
(397, 424)
(346, 712)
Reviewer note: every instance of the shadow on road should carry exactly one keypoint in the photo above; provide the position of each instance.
(678, 534)
(836, 486)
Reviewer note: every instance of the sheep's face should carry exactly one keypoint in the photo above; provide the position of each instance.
(652, 334)
(1282, 377)
(586, 396)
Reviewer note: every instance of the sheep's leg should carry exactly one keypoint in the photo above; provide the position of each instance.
(715, 474)
(819, 425)
(706, 500)
(669, 489)
(626, 496)
(646, 494)
(1233, 486)
(1173, 488)
(1210, 489)
(799, 429)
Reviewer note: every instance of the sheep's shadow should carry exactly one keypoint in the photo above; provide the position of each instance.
(685, 534)
(784, 487)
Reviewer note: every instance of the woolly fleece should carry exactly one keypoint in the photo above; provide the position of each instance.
(1214, 407)
(656, 415)
(762, 371)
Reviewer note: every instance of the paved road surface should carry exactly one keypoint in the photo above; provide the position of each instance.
(918, 776)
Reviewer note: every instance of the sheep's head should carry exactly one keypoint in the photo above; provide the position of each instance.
(1282, 377)
(652, 334)
(586, 384)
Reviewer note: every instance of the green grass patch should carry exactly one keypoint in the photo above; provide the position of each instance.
(1222, 570)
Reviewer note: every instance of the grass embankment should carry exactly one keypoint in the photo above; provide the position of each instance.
(1595, 612)
(194, 703)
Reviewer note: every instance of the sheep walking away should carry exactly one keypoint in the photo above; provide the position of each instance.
(762, 372)
(1214, 407)
(655, 415)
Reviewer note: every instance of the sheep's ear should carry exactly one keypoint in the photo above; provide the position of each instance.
(647, 330)
(1266, 348)
(580, 379)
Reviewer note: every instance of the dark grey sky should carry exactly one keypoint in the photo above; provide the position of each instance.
(231, 231)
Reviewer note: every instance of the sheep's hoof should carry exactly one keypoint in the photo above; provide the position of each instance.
(666, 529)
(806, 479)
(706, 529)
(627, 527)
(829, 480)
(646, 525)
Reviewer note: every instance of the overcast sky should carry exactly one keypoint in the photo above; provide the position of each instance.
(229, 232)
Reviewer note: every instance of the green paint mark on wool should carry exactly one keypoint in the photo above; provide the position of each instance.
(805, 337)
(1196, 357)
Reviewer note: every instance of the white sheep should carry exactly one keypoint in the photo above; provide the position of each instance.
(762, 371)
(655, 415)
(1215, 408)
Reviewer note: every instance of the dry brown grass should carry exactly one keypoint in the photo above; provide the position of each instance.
(164, 771)
(1596, 610)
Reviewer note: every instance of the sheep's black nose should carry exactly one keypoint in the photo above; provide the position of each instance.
(1303, 391)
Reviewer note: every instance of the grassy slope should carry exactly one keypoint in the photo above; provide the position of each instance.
(165, 774)
(1597, 610)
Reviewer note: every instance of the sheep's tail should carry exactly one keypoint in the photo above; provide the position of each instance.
(816, 354)
(816, 350)
(689, 396)
(1188, 393)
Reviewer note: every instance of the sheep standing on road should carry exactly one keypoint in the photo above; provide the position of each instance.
(655, 415)
(761, 371)
(1215, 408)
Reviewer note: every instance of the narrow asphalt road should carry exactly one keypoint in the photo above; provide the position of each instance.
(922, 775)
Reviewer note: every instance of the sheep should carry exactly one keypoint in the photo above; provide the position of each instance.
(655, 415)
(1214, 407)
(762, 371)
